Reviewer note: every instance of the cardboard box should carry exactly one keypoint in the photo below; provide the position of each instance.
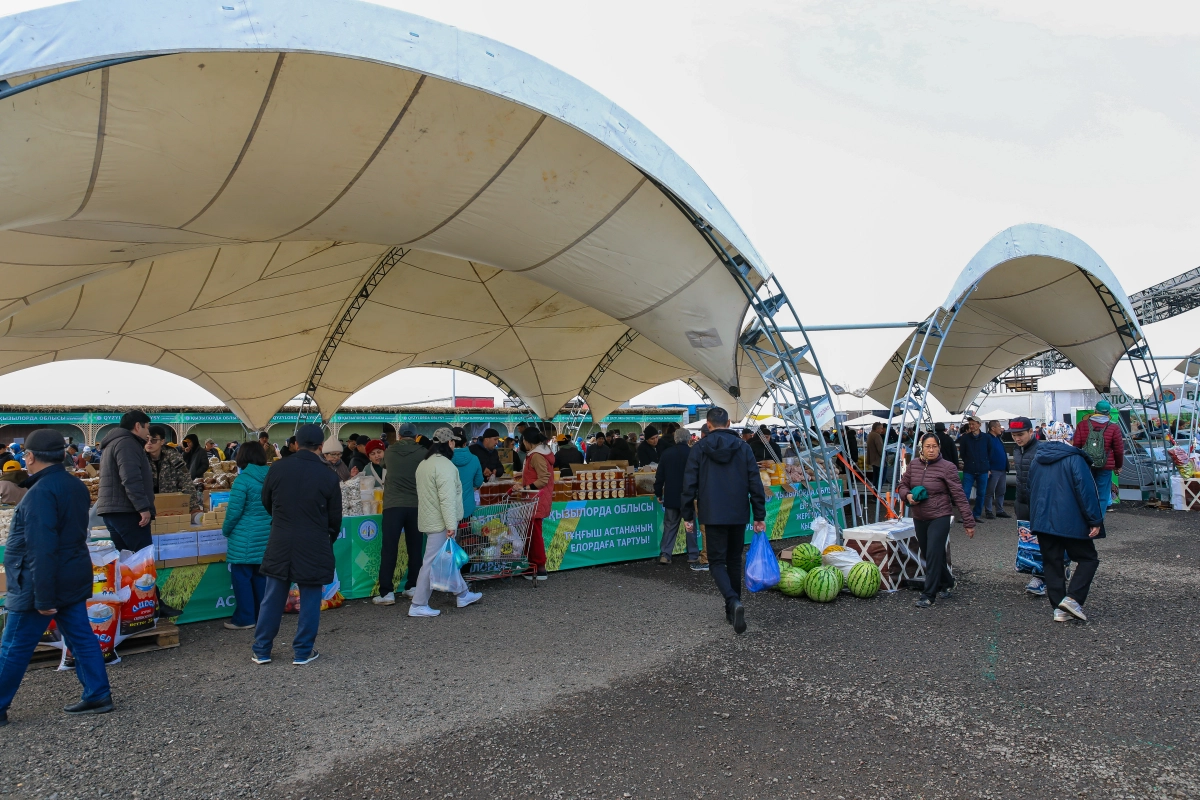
(211, 546)
(171, 503)
(175, 549)
(3, 581)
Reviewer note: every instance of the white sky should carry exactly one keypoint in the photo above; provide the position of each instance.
(864, 144)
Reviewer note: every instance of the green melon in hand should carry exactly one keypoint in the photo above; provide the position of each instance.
(864, 580)
(823, 584)
(806, 557)
(791, 581)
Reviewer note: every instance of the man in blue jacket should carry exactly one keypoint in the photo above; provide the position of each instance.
(722, 475)
(1065, 514)
(50, 577)
(974, 448)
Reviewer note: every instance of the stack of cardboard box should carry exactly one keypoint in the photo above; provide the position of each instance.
(178, 542)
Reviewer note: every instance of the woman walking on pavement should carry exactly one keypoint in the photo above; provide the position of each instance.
(538, 475)
(932, 490)
(439, 508)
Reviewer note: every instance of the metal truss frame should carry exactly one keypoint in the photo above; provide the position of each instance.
(1191, 396)
(778, 364)
(579, 411)
(308, 407)
(911, 394)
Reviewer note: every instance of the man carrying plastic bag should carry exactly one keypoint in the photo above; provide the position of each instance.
(722, 475)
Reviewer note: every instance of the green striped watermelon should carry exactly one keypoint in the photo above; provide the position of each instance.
(864, 580)
(784, 566)
(806, 557)
(823, 584)
(791, 581)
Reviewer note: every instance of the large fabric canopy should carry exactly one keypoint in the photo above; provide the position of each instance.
(1036, 289)
(332, 191)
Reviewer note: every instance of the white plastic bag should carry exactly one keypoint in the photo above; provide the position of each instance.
(843, 560)
(443, 574)
(824, 534)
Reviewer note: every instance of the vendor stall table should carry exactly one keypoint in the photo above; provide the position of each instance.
(892, 546)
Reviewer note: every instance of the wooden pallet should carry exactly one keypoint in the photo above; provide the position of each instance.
(164, 637)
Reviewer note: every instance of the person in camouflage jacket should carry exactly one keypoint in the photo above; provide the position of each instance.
(169, 469)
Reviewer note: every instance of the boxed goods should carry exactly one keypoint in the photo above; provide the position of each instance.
(175, 549)
(171, 504)
(211, 546)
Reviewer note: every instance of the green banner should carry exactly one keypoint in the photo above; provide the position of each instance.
(584, 533)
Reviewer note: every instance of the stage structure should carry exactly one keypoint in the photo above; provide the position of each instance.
(296, 198)
(1032, 289)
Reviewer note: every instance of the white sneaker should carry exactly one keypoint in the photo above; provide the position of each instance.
(409, 592)
(1060, 615)
(388, 599)
(468, 597)
(1073, 608)
(422, 611)
(1036, 587)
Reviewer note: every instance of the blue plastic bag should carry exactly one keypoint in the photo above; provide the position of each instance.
(460, 556)
(762, 568)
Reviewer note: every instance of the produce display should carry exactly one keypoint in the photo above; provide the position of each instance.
(806, 557)
(864, 580)
(833, 548)
(823, 584)
(220, 475)
(6, 517)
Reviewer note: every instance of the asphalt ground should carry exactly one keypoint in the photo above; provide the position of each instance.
(625, 681)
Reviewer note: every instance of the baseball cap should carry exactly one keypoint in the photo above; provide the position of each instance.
(1104, 406)
(310, 436)
(408, 432)
(460, 436)
(443, 435)
(12, 466)
(1020, 424)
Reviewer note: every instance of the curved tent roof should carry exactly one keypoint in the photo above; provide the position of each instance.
(292, 189)
(1036, 290)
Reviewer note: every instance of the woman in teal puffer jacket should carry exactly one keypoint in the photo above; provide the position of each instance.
(248, 527)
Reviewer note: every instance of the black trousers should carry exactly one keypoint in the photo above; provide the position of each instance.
(931, 536)
(1082, 552)
(397, 521)
(725, 544)
(125, 531)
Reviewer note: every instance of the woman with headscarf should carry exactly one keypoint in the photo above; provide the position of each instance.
(537, 476)
(932, 489)
(11, 479)
(194, 456)
(439, 509)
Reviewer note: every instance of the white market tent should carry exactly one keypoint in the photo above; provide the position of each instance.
(1036, 288)
(292, 196)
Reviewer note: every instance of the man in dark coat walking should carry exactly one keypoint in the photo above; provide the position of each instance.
(722, 475)
(975, 450)
(304, 499)
(668, 488)
(1065, 514)
(126, 500)
(50, 577)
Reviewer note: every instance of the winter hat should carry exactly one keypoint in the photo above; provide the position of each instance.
(371, 446)
(45, 440)
(490, 433)
(650, 432)
(332, 445)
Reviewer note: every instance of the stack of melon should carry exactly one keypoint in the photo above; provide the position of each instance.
(806, 575)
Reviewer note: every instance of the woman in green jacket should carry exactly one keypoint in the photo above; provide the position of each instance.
(248, 527)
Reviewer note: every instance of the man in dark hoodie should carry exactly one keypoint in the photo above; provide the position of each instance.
(949, 450)
(722, 475)
(400, 515)
(1065, 515)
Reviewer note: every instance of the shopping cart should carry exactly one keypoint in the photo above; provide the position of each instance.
(496, 539)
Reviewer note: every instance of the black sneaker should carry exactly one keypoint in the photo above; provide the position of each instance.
(739, 617)
(944, 594)
(93, 707)
(924, 602)
(729, 611)
(1003, 514)
(989, 515)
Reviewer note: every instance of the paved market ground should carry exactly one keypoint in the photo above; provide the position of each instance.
(625, 682)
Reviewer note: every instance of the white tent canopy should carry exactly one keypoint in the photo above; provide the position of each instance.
(1037, 290)
(292, 191)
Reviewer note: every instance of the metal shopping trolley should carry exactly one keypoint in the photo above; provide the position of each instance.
(496, 539)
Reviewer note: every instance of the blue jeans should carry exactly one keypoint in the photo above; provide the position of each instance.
(270, 614)
(979, 481)
(21, 635)
(248, 590)
(1103, 479)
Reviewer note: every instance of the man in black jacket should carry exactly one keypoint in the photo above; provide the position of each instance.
(949, 449)
(567, 454)
(304, 499)
(598, 450)
(975, 450)
(126, 500)
(50, 577)
(668, 488)
(647, 449)
(485, 451)
(723, 476)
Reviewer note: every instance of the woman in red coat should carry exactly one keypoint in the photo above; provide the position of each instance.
(538, 475)
(931, 510)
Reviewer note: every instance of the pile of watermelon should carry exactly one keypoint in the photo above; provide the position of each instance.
(822, 582)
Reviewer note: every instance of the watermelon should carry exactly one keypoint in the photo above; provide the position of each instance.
(864, 580)
(784, 566)
(806, 557)
(791, 582)
(823, 584)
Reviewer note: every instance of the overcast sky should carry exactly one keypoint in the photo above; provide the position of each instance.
(868, 149)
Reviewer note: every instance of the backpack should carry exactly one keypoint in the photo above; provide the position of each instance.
(1094, 448)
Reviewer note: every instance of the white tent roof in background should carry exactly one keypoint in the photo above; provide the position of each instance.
(1037, 289)
(215, 210)
(997, 414)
